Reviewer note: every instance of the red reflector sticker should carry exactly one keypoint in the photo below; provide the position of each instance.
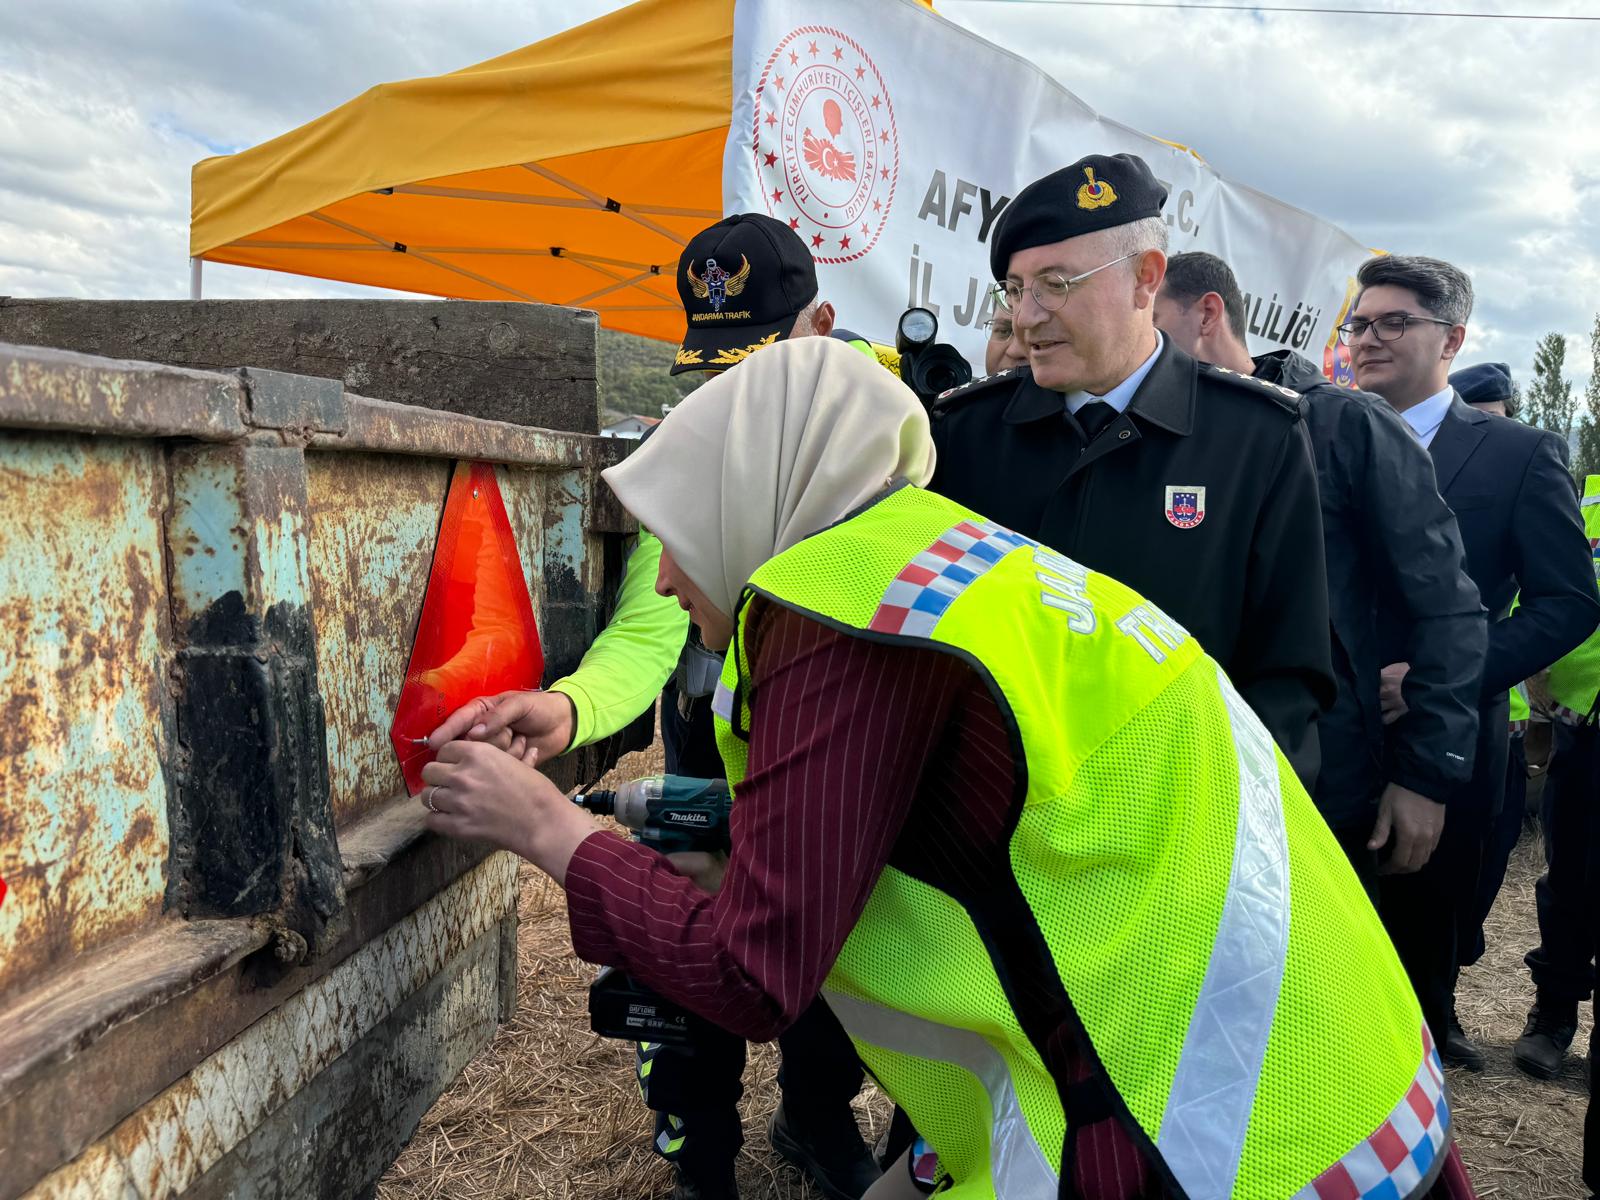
(477, 635)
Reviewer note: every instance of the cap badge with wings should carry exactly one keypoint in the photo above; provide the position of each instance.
(717, 284)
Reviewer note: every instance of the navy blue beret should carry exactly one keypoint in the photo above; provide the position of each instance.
(1096, 192)
(1483, 383)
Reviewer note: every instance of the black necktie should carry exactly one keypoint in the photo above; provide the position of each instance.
(1093, 417)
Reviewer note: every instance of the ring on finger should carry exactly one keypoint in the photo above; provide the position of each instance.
(427, 797)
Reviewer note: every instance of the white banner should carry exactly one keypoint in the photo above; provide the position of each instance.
(891, 139)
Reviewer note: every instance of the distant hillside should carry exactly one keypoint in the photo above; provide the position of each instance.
(633, 374)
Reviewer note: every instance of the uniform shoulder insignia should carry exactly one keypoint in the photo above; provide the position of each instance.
(984, 385)
(1287, 399)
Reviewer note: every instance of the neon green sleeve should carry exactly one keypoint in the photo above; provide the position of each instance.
(629, 663)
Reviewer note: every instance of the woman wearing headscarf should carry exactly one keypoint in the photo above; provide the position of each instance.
(1048, 869)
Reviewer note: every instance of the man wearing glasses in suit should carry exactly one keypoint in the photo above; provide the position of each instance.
(1518, 515)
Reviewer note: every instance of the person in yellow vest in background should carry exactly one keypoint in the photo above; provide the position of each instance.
(1562, 964)
(1047, 867)
(745, 282)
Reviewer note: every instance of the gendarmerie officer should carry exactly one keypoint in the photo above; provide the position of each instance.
(1192, 484)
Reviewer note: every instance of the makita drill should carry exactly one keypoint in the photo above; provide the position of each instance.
(668, 813)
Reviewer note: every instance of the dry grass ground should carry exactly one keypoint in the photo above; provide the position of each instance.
(549, 1110)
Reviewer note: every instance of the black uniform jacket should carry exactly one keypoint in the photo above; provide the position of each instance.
(1391, 542)
(1518, 513)
(1239, 564)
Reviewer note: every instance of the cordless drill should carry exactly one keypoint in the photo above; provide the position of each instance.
(668, 813)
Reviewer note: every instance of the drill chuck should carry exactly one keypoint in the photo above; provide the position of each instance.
(601, 803)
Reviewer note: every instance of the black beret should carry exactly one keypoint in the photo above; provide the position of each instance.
(1483, 383)
(1096, 192)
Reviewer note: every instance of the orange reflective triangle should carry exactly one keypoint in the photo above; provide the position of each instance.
(477, 635)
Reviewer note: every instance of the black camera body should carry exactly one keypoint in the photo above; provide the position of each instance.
(928, 367)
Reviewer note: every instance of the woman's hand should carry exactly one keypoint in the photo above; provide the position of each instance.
(543, 720)
(478, 792)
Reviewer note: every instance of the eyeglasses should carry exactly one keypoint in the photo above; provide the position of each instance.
(1390, 328)
(999, 330)
(1050, 290)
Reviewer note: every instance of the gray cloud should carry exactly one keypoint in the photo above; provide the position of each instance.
(1408, 132)
(1454, 138)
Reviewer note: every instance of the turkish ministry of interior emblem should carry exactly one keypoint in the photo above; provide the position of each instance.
(826, 148)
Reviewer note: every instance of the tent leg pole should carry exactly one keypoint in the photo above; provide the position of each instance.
(194, 278)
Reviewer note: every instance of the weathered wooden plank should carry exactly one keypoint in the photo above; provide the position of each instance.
(526, 364)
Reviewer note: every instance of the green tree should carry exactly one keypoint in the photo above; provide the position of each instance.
(1587, 460)
(633, 374)
(1550, 402)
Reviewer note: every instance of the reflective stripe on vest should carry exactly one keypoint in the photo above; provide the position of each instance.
(1567, 716)
(722, 701)
(1018, 1166)
(931, 581)
(1214, 1090)
(1397, 1157)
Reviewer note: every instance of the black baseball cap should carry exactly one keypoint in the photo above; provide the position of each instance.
(742, 282)
(1099, 191)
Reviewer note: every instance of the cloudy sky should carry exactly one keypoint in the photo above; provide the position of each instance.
(1473, 140)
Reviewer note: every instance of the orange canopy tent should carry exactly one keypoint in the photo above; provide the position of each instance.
(572, 171)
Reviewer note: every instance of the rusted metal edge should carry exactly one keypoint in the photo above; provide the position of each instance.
(377, 839)
(42, 388)
(53, 1021)
(383, 427)
(50, 1111)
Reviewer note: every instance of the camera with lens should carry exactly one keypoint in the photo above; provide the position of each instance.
(928, 367)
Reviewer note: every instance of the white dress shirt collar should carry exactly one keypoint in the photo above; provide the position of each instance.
(1119, 396)
(1426, 416)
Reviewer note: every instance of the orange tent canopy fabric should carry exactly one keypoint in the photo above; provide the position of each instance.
(572, 171)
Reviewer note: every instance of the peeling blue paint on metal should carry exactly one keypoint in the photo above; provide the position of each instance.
(83, 827)
(281, 554)
(207, 533)
(523, 491)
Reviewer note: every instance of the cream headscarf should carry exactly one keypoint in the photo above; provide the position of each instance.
(769, 453)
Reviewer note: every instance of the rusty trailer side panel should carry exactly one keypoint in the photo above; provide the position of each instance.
(373, 521)
(83, 770)
(231, 960)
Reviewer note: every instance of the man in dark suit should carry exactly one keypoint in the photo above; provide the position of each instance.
(1386, 533)
(1518, 515)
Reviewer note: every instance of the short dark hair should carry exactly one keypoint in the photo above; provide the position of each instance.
(1440, 287)
(1193, 273)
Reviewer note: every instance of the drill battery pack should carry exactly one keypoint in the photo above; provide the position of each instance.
(621, 1007)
